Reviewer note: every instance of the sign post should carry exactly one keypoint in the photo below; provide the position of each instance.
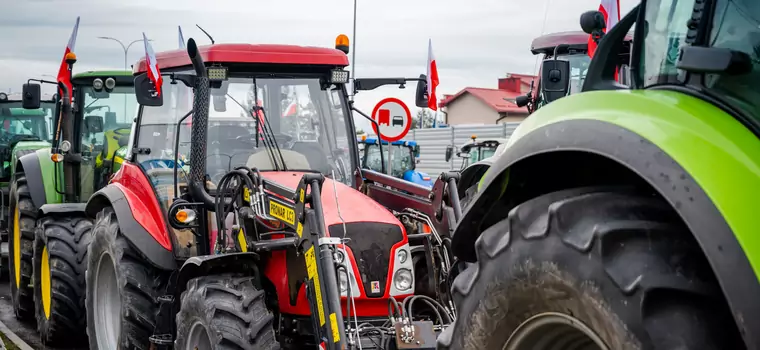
(394, 119)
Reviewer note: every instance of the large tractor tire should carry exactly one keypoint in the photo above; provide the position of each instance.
(60, 261)
(20, 242)
(122, 289)
(592, 269)
(224, 312)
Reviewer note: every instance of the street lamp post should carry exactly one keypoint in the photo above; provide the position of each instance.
(125, 48)
(353, 57)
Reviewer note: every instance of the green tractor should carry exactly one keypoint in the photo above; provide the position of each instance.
(22, 131)
(49, 232)
(625, 216)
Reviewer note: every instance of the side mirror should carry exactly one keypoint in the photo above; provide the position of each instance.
(416, 151)
(421, 96)
(145, 92)
(522, 100)
(31, 96)
(555, 79)
(449, 152)
(93, 123)
(220, 103)
(592, 22)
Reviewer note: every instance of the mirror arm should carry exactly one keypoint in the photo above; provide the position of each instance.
(364, 84)
(42, 81)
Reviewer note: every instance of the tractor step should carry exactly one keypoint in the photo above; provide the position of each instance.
(4, 249)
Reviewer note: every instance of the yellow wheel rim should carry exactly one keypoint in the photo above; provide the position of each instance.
(45, 282)
(16, 247)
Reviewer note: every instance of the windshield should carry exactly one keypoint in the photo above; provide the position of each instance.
(309, 125)
(402, 159)
(19, 123)
(578, 68)
(737, 26)
(116, 110)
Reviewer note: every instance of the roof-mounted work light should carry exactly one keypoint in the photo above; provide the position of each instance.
(338, 76)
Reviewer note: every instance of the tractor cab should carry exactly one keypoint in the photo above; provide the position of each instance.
(22, 130)
(403, 160)
(566, 55)
(475, 150)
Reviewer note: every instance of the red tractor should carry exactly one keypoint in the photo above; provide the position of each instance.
(295, 247)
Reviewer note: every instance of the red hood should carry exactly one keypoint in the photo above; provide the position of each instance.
(354, 205)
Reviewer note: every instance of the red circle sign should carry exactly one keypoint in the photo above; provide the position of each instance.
(394, 119)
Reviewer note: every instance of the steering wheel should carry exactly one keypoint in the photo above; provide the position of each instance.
(158, 164)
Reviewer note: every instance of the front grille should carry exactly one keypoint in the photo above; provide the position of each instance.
(371, 244)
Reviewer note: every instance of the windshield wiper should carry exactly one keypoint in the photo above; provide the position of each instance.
(269, 140)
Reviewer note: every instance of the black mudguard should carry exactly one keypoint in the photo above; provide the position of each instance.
(30, 163)
(62, 209)
(244, 263)
(140, 239)
(659, 170)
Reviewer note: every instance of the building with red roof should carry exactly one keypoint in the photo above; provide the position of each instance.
(474, 105)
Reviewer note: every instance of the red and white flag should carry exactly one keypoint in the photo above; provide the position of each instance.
(150, 59)
(432, 78)
(611, 11)
(64, 75)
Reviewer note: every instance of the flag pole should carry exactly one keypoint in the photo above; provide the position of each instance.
(353, 57)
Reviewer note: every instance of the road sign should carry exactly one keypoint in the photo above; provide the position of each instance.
(394, 119)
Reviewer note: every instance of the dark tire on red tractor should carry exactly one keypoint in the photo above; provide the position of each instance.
(23, 218)
(590, 268)
(60, 260)
(122, 289)
(229, 311)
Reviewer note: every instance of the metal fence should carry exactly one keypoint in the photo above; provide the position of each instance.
(433, 143)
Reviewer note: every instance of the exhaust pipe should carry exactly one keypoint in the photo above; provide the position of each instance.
(198, 133)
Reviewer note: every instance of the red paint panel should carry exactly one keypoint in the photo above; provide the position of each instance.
(248, 53)
(139, 194)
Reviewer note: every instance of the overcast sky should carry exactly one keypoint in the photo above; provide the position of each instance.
(475, 42)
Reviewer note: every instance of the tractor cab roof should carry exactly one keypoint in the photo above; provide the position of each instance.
(373, 141)
(577, 40)
(250, 54)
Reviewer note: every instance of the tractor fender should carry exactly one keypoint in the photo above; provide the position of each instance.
(30, 165)
(472, 174)
(245, 263)
(140, 238)
(653, 165)
(62, 209)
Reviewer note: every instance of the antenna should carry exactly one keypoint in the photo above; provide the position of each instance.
(204, 32)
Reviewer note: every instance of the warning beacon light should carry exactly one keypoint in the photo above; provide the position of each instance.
(341, 43)
(338, 76)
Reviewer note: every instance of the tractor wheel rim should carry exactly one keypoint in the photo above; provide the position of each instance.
(553, 330)
(107, 302)
(16, 247)
(198, 338)
(45, 286)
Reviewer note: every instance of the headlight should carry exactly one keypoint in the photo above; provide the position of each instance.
(339, 257)
(110, 83)
(401, 256)
(403, 279)
(343, 279)
(97, 84)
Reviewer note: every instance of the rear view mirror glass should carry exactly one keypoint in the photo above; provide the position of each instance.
(146, 93)
(555, 79)
(421, 95)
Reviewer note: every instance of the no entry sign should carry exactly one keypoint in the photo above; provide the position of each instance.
(394, 119)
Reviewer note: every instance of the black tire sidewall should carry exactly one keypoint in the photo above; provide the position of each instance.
(23, 303)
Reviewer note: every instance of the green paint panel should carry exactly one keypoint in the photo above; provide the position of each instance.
(719, 153)
(48, 170)
(102, 73)
(25, 145)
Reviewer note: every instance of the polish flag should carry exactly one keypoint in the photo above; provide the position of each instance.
(432, 78)
(611, 11)
(150, 59)
(291, 110)
(64, 75)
